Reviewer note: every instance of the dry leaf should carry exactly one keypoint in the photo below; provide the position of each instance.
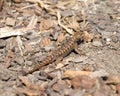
(72, 74)
(78, 58)
(29, 84)
(74, 24)
(64, 62)
(45, 42)
(44, 4)
(28, 47)
(60, 65)
(7, 58)
(61, 37)
(7, 32)
(45, 24)
(70, 31)
(58, 87)
(29, 92)
(82, 82)
(7, 62)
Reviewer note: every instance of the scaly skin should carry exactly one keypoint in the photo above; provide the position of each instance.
(65, 49)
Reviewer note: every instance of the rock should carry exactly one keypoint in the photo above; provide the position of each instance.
(19, 59)
(79, 58)
(5, 76)
(10, 21)
(28, 63)
(2, 43)
(108, 40)
(67, 13)
(97, 43)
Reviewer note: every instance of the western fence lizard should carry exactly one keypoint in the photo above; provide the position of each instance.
(66, 48)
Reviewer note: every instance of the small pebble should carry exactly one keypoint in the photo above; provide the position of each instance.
(2, 43)
(108, 39)
(19, 60)
(28, 63)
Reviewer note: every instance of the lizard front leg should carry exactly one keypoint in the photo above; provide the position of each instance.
(80, 52)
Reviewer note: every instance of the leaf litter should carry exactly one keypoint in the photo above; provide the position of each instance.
(51, 21)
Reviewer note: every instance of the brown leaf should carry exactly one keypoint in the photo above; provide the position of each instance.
(29, 84)
(61, 37)
(29, 92)
(45, 24)
(28, 47)
(58, 87)
(7, 62)
(45, 42)
(82, 82)
(7, 58)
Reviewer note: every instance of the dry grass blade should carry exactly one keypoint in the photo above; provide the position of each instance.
(7, 32)
(20, 44)
(70, 31)
(33, 22)
(74, 24)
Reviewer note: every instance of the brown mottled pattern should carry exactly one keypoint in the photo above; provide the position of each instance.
(66, 48)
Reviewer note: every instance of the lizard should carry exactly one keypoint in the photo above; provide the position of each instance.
(69, 45)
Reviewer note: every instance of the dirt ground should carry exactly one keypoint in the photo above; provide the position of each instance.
(32, 29)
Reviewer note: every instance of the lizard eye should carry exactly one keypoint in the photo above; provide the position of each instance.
(79, 41)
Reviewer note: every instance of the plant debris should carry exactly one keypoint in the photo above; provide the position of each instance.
(32, 30)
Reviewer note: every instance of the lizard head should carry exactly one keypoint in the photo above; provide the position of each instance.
(78, 35)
